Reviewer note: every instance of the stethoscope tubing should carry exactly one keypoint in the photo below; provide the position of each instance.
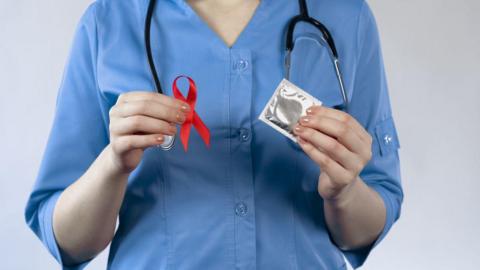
(168, 140)
(289, 45)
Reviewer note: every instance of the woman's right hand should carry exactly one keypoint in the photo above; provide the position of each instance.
(139, 120)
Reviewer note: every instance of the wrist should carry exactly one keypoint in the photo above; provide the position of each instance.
(111, 167)
(345, 197)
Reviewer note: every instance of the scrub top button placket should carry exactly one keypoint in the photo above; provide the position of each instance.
(244, 134)
(241, 168)
(241, 209)
(241, 65)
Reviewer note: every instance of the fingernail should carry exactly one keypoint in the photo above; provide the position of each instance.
(160, 138)
(185, 108)
(180, 117)
(305, 119)
(309, 111)
(298, 128)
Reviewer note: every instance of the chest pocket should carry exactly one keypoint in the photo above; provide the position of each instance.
(313, 71)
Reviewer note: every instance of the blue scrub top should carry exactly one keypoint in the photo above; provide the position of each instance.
(250, 201)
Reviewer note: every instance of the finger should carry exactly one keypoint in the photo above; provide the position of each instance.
(331, 147)
(338, 130)
(156, 97)
(149, 108)
(141, 124)
(337, 173)
(126, 143)
(342, 117)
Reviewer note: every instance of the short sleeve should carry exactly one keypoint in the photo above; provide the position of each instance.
(77, 136)
(370, 105)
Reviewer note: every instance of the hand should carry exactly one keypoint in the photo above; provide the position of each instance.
(140, 120)
(338, 144)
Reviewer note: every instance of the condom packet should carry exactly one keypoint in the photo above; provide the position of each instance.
(287, 104)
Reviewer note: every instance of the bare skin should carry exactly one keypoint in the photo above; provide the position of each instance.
(227, 18)
(90, 206)
(354, 213)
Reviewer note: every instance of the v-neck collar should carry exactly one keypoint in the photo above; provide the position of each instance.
(253, 23)
(183, 4)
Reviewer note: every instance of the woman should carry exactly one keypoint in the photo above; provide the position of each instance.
(252, 199)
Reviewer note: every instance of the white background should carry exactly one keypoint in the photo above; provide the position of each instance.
(432, 56)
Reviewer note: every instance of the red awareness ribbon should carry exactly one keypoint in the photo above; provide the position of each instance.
(192, 116)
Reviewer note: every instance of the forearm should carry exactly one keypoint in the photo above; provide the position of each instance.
(85, 215)
(356, 218)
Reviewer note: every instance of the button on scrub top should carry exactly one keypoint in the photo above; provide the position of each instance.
(250, 201)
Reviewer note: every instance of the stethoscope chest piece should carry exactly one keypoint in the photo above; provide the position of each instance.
(168, 143)
(289, 44)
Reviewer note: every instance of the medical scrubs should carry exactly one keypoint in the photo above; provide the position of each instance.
(250, 200)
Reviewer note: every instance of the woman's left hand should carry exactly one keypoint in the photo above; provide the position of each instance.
(338, 144)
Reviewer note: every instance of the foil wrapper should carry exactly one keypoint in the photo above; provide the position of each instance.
(287, 104)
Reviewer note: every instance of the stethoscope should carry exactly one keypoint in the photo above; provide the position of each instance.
(326, 39)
